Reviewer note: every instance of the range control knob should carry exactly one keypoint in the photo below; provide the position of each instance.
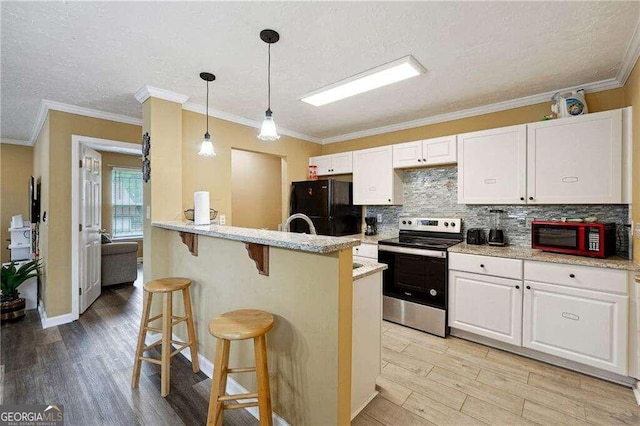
(409, 222)
(433, 292)
(453, 224)
(404, 222)
(446, 224)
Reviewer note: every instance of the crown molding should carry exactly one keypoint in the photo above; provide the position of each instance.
(47, 105)
(146, 92)
(200, 109)
(630, 57)
(15, 142)
(597, 86)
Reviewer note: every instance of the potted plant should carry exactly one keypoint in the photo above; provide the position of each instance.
(12, 305)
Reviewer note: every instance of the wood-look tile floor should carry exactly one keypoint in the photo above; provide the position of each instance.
(428, 380)
(86, 366)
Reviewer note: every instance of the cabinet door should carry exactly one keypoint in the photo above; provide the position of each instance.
(576, 160)
(342, 163)
(407, 154)
(439, 151)
(581, 325)
(323, 162)
(492, 166)
(487, 306)
(373, 176)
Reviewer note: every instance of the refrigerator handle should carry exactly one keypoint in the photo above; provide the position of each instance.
(292, 200)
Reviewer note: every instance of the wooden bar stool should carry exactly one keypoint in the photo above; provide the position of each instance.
(240, 325)
(165, 286)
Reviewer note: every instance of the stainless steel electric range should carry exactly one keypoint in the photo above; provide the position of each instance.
(415, 285)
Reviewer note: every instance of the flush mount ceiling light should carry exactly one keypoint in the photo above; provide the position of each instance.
(374, 78)
(268, 130)
(206, 148)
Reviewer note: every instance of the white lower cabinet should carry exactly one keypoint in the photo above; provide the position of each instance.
(586, 326)
(486, 305)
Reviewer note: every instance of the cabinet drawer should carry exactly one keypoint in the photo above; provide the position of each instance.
(486, 265)
(587, 277)
(366, 250)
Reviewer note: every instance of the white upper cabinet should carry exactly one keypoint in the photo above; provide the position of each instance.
(425, 152)
(492, 166)
(375, 182)
(575, 160)
(334, 164)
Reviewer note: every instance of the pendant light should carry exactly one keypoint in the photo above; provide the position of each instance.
(206, 148)
(268, 130)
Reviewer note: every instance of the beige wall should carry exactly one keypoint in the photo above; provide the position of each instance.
(214, 174)
(61, 127)
(256, 199)
(16, 166)
(632, 97)
(600, 101)
(110, 159)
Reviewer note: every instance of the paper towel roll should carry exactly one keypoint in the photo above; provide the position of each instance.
(201, 208)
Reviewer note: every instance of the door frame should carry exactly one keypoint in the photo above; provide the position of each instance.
(100, 145)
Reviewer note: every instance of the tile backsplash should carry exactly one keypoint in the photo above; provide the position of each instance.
(433, 192)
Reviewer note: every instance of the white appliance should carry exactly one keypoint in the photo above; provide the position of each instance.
(20, 245)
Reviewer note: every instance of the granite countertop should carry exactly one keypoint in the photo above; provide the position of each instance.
(288, 240)
(370, 267)
(373, 239)
(526, 253)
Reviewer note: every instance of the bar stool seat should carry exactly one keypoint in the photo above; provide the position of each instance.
(240, 325)
(165, 287)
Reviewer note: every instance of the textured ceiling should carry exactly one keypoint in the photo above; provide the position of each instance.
(97, 55)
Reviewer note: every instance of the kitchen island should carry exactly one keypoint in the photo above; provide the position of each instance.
(305, 281)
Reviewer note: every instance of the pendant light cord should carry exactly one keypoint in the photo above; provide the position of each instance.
(207, 107)
(269, 79)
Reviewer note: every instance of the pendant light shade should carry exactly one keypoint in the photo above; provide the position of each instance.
(206, 147)
(268, 130)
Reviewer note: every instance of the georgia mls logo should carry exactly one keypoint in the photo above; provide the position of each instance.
(31, 415)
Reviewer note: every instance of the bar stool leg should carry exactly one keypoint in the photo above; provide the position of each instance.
(193, 343)
(142, 335)
(167, 319)
(262, 375)
(219, 383)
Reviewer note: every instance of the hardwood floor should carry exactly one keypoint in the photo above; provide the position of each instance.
(428, 380)
(86, 366)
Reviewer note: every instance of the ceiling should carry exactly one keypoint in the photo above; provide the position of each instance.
(97, 55)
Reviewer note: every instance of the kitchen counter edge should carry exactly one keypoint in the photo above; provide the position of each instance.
(525, 253)
(369, 267)
(288, 240)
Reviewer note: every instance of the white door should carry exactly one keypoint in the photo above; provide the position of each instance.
(407, 154)
(581, 325)
(492, 166)
(323, 162)
(487, 306)
(90, 225)
(342, 163)
(575, 160)
(439, 151)
(373, 176)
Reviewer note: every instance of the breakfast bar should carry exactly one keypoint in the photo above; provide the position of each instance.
(308, 287)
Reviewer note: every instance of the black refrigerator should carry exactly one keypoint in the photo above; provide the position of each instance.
(329, 204)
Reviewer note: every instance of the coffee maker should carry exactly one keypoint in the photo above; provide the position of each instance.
(372, 225)
(496, 233)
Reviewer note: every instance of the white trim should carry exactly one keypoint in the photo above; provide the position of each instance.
(200, 109)
(15, 142)
(636, 392)
(146, 92)
(47, 105)
(94, 143)
(233, 387)
(53, 321)
(630, 57)
(597, 86)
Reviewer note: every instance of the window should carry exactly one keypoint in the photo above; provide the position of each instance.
(126, 202)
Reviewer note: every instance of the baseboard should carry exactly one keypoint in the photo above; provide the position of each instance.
(355, 413)
(233, 387)
(53, 321)
(636, 392)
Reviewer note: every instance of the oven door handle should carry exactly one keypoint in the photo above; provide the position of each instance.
(414, 251)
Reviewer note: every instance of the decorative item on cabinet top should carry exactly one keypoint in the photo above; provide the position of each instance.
(146, 163)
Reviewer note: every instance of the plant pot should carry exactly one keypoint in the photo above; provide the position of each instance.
(13, 310)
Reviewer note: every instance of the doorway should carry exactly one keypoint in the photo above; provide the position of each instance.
(256, 189)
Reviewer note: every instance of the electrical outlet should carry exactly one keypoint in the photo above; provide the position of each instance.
(379, 217)
(223, 219)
